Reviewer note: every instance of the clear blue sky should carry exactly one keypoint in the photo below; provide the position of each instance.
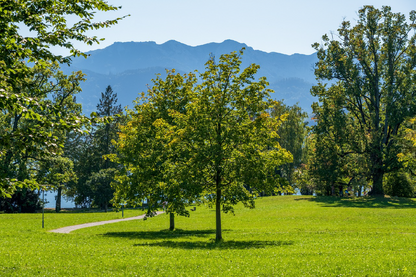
(288, 26)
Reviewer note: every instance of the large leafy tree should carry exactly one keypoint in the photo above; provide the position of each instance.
(370, 67)
(228, 140)
(31, 138)
(214, 141)
(24, 61)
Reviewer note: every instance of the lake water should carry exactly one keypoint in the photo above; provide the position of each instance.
(50, 197)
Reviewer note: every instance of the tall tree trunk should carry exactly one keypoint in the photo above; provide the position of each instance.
(218, 236)
(377, 189)
(377, 174)
(58, 200)
(172, 221)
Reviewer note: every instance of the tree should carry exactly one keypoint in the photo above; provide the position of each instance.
(371, 69)
(23, 62)
(148, 157)
(209, 141)
(79, 148)
(103, 134)
(88, 151)
(56, 172)
(227, 138)
(106, 132)
(292, 133)
(334, 164)
(29, 139)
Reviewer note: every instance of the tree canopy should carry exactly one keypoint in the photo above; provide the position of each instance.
(367, 77)
(149, 174)
(30, 119)
(223, 139)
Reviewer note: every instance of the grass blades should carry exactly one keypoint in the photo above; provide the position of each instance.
(283, 236)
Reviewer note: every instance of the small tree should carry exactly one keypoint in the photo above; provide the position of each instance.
(149, 158)
(292, 134)
(227, 138)
(211, 140)
(88, 151)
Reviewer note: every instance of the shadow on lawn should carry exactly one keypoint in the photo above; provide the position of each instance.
(363, 202)
(163, 234)
(166, 239)
(217, 246)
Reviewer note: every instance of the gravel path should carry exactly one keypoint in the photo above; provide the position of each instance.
(68, 229)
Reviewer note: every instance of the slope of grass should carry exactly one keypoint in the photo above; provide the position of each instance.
(289, 236)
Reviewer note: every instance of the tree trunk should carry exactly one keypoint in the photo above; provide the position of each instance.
(377, 189)
(377, 175)
(172, 221)
(58, 200)
(218, 236)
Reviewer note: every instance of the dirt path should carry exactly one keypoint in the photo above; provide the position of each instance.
(68, 229)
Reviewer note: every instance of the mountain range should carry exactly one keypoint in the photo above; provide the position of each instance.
(129, 67)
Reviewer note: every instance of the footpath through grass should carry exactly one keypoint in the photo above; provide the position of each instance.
(289, 236)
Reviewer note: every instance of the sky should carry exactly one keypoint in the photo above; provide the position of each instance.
(287, 27)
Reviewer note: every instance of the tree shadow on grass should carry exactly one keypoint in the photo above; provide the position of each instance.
(224, 245)
(166, 238)
(162, 234)
(363, 202)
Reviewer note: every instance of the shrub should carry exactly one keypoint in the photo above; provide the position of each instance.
(399, 184)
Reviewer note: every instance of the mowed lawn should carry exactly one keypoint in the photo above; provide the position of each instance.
(286, 235)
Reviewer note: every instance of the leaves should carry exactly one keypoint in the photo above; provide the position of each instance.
(213, 142)
(31, 107)
(366, 88)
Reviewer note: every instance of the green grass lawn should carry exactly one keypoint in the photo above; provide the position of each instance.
(289, 235)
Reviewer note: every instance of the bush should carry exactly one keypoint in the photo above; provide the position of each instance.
(398, 184)
(22, 201)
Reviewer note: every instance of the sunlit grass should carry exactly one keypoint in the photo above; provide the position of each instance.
(290, 235)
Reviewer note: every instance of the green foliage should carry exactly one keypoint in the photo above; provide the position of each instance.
(79, 148)
(228, 138)
(23, 200)
(35, 134)
(56, 171)
(99, 182)
(292, 134)
(399, 184)
(148, 157)
(371, 70)
(29, 118)
(408, 151)
(334, 163)
(87, 150)
(214, 139)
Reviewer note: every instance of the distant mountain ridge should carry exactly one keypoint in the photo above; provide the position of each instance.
(129, 67)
